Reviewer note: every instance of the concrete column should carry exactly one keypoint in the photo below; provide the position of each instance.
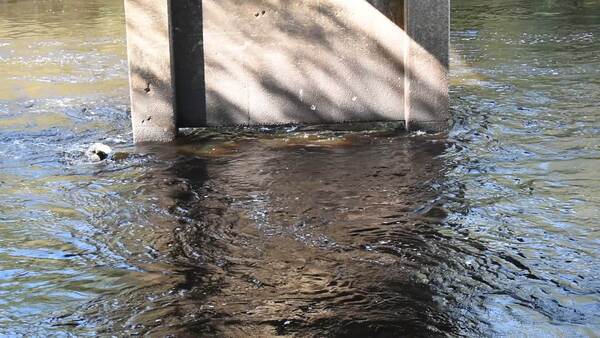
(265, 62)
(149, 47)
(427, 23)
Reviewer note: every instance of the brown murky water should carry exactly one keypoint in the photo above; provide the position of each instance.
(490, 230)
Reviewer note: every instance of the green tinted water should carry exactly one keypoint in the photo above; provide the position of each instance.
(489, 230)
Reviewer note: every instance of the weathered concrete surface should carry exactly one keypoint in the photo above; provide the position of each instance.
(288, 61)
(427, 59)
(274, 61)
(188, 50)
(153, 110)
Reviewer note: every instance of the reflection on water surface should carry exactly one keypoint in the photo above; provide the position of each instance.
(489, 230)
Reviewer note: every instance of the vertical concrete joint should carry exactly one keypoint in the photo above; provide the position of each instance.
(150, 54)
(427, 25)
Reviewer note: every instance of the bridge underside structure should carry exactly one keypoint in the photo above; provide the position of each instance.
(196, 63)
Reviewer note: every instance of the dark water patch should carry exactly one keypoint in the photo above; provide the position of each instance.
(303, 230)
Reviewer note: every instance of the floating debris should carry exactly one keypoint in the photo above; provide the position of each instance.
(98, 152)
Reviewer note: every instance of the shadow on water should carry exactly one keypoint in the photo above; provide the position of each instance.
(336, 235)
(487, 231)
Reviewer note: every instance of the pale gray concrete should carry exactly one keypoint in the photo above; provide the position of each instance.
(153, 105)
(305, 61)
(426, 88)
(282, 61)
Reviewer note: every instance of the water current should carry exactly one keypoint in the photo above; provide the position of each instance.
(490, 229)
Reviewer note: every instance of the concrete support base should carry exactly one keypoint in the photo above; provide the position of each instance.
(151, 72)
(427, 61)
(197, 63)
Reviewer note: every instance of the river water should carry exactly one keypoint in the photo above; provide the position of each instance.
(489, 230)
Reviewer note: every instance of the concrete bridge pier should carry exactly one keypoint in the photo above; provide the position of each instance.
(196, 63)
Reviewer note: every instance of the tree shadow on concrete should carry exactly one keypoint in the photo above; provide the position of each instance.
(277, 62)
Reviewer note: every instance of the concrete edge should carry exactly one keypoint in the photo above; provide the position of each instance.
(151, 73)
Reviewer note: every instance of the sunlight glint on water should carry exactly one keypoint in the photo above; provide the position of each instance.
(489, 230)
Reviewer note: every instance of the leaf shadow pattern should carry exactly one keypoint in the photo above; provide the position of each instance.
(280, 62)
